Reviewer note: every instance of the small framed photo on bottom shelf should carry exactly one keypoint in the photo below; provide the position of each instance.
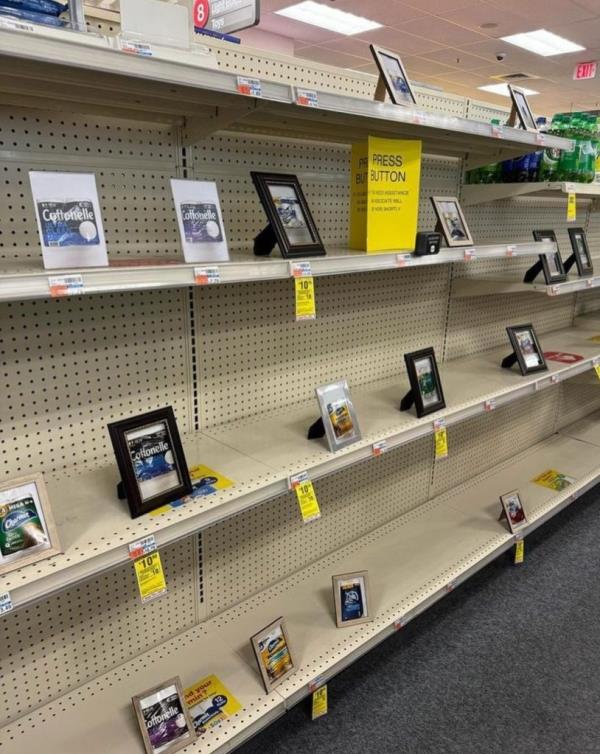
(27, 529)
(338, 414)
(425, 382)
(273, 654)
(527, 349)
(452, 221)
(513, 510)
(581, 252)
(351, 598)
(164, 719)
(150, 459)
(552, 264)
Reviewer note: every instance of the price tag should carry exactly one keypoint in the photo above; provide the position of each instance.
(380, 447)
(150, 577)
(14, 25)
(300, 269)
(418, 117)
(65, 285)
(206, 275)
(307, 97)
(143, 49)
(497, 131)
(519, 551)
(571, 207)
(316, 683)
(441, 439)
(450, 587)
(6, 604)
(305, 298)
(554, 290)
(250, 87)
(589, 283)
(490, 404)
(143, 547)
(540, 139)
(511, 251)
(554, 378)
(399, 623)
(307, 499)
(469, 254)
(597, 370)
(319, 702)
(403, 259)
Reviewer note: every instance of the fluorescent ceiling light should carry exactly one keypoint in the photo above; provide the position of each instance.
(503, 89)
(310, 12)
(543, 43)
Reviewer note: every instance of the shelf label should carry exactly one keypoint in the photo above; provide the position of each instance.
(206, 275)
(403, 259)
(469, 254)
(142, 547)
(511, 251)
(307, 499)
(441, 439)
(150, 577)
(418, 117)
(380, 447)
(307, 97)
(554, 290)
(249, 86)
(14, 25)
(597, 370)
(6, 604)
(131, 47)
(300, 270)
(571, 207)
(589, 283)
(497, 131)
(490, 404)
(519, 551)
(316, 683)
(399, 623)
(451, 586)
(305, 298)
(319, 702)
(554, 378)
(540, 139)
(65, 285)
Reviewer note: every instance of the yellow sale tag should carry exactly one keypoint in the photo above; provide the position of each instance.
(441, 439)
(305, 298)
(571, 207)
(597, 368)
(519, 551)
(307, 500)
(319, 702)
(150, 576)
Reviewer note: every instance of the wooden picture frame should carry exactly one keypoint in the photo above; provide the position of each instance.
(451, 221)
(527, 349)
(356, 598)
(554, 269)
(288, 213)
(392, 78)
(423, 375)
(268, 645)
(521, 111)
(24, 501)
(147, 478)
(138, 705)
(514, 511)
(581, 252)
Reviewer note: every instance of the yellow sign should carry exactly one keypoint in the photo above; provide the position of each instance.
(595, 338)
(209, 702)
(150, 576)
(571, 208)
(307, 500)
(441, 442)
(554, 480)
(319, 702)
(519, 551)
(597, 368)
(205, 481)
(384, 197)
(305, 298)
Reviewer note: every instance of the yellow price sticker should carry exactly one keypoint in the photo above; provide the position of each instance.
(597, 368)
(305, 298)
(519, 551)
(307, 500)
(150, 576)
(319, 702)
(571, 207)
(441, 439)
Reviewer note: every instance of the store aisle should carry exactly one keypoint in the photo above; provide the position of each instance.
(510, 662)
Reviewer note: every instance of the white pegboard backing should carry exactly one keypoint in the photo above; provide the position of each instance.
(442, 104)
(485, 112)
(254, 356)
(578, 399)
(589, 301)
(485, 441)
(260, 547)
(57, 645)
(70, 366)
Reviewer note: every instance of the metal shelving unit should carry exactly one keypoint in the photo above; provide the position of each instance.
(494, 285)
(472, 195)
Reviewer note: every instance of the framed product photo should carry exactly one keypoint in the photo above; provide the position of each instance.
(151, 461)
(521, 113)
(552, 264)
(338, 414)
(351, 598)
(527, 349)
(273, 654)
(200, 220)
(163, 717)
(425, 382)
(513, 510)
(27, 529)
(289, 216)
(581, 252)
(392, 78)
(451, 221)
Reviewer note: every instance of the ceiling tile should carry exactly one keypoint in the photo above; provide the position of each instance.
(295, 29)
(439, 30)
(416, 65)
(474, 16)
(330, 57)
(388, 13)
(542, 13)
(437, 6)
(455, 58)
(585, 33)
(465, 78)
(400, 42)
(515, 58)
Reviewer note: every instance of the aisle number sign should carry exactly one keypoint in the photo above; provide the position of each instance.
(150, 576)
(319, 702)
(305, 298)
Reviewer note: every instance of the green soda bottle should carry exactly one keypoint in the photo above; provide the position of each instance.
(551, 156)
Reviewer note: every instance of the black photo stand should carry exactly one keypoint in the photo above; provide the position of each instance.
(121, 491)
(265, 241)
(509, 361)
(316, 430)
(408, 401)
(568, 263)
(533, 272)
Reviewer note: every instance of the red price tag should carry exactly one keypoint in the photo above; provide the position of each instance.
(201, 13)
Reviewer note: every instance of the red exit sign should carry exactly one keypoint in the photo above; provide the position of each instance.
(585, 70)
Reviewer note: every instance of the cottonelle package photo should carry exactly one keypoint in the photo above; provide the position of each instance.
(164, 719)
(392, 78)
(273, 654)
(200, 221)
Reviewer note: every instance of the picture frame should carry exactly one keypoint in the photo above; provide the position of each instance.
(161, 704)
(527, 349)
(151, 460)
(32, 534)
(581, 252)
(552, 264)
(338, 414)
(200, 220)
(451, 221)
(271, 646)
(288, 213)
(352, 599)
(521, 111)
(425, 382)
(514, 511)
(392, 78)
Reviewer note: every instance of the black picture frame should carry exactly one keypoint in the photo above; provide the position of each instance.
(581, 252)
(424, 406)
(514, 332)
(381, 57)
(264, 182)
(521, 110)
(139, 503)
(556, 274)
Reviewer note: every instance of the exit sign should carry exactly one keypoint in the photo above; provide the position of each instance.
(585, 70)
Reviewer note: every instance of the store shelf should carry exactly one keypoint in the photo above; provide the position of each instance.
(483, 193)
(412, 562)
(28, 280)
(261, 453)
(174, 83)
(494, 285)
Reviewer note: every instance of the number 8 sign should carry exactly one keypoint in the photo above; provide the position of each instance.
(201, 13)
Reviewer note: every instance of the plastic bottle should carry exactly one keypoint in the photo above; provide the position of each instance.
(535, 158)
(588, 149)
(567, 164)
(548, 170)
(597, 150)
